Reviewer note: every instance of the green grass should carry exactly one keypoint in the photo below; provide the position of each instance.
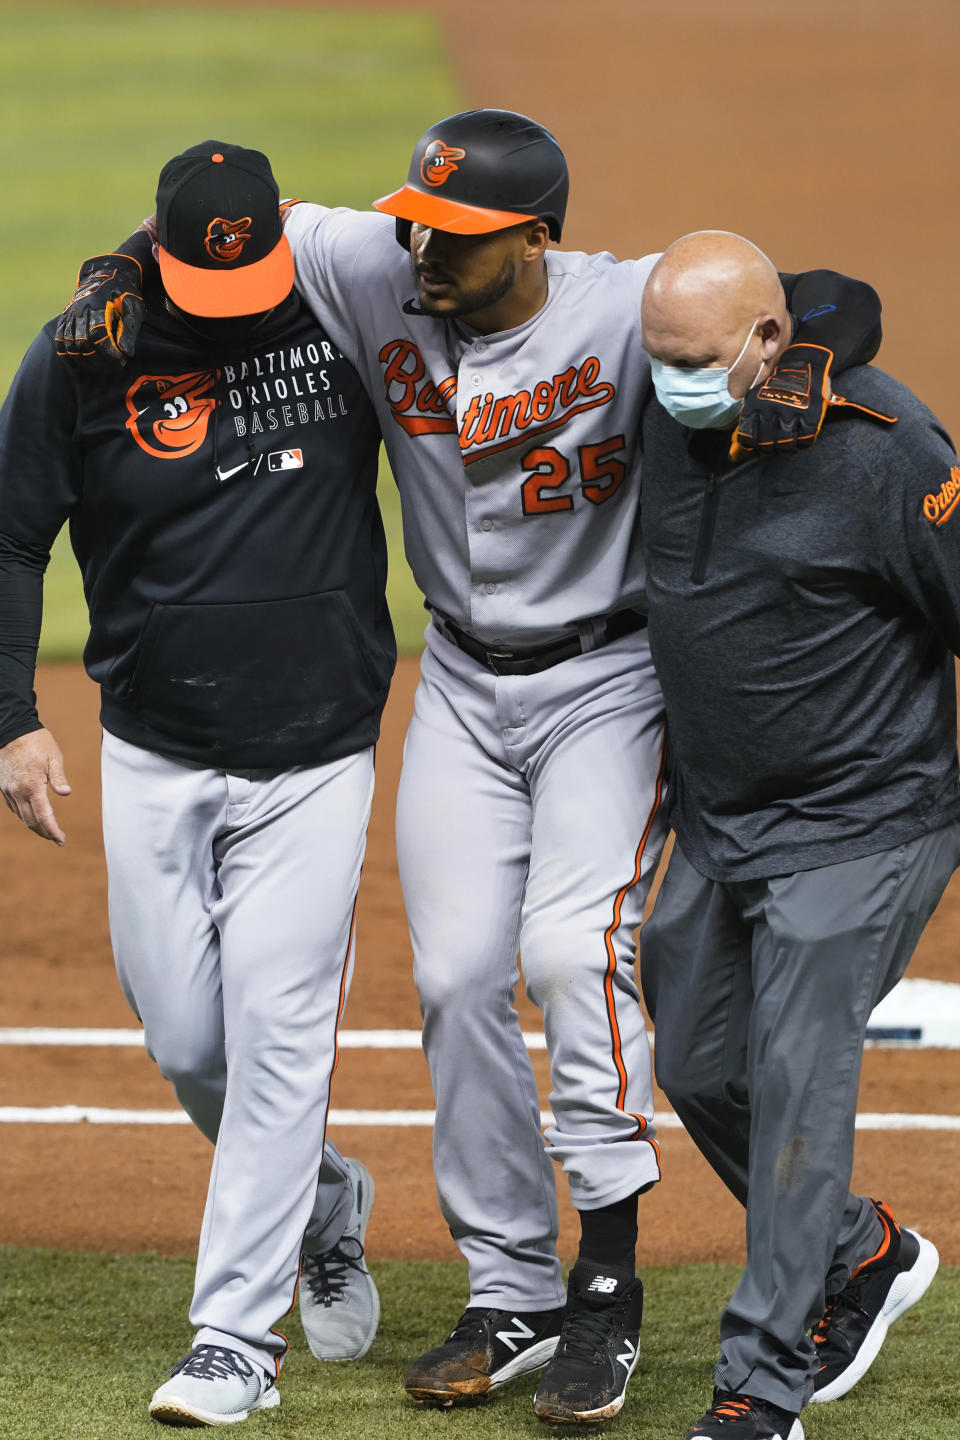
(95, 98)
(84, 1340)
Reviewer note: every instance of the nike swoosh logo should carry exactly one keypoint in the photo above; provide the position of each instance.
(225, 474)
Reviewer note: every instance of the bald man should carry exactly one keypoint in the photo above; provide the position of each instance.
(804, 616)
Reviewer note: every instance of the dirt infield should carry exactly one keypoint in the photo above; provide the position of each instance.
(120, 1188)
(673, 118)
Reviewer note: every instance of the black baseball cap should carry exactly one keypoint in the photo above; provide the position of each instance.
(222, 248)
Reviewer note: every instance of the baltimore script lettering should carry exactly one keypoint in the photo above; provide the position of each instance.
(421, 407)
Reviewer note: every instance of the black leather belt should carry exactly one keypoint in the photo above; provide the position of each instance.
(542, 657)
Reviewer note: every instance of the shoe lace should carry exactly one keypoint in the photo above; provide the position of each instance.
(728, 1405)
(326, 1275)
(586, 1329)
(820, 1333)
(837, 1309)
(209, 1363)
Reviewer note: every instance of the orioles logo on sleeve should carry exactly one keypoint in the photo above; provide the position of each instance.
(939, 506)
(439, 162)
(225, 239)
(169, 414)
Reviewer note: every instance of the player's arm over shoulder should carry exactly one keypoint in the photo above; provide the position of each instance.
(336, 233)
(335, 251)
(331, 250)
(640, 274)
(836, 311)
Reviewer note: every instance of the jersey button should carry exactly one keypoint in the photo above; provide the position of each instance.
(486, 524)
(477, 380)
(490, 588)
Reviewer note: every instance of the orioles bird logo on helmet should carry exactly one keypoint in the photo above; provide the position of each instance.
(439, 162)
(226, 238)
(169, 414)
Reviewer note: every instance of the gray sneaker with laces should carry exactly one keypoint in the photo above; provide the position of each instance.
(211, 1386)
(339, 1304)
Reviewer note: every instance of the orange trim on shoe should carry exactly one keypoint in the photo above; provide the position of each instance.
(890, 1227)
(732, 1409)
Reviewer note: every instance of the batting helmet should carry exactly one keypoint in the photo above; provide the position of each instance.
(480, 171)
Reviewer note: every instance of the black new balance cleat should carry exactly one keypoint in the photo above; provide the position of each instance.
(486, 1349)
(854, 1324)
(733, 1416)
(586, 1381)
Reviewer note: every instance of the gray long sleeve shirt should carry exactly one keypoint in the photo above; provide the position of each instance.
(804, 614)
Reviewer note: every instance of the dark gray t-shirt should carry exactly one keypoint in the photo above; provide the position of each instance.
(804, 613)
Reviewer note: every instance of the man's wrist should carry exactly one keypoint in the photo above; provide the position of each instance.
(17, 730)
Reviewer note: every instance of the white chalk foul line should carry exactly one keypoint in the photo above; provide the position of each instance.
(887, 1037)
(349, 1039)
(36, 1035)
(389, 1119)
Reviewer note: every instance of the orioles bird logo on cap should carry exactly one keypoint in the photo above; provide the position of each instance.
(439, 162)
(226, 238)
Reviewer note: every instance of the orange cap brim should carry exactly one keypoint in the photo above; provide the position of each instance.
(442, 214)
(247, 290)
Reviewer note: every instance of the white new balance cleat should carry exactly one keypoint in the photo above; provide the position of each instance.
(339, 1304)
(211, 1386)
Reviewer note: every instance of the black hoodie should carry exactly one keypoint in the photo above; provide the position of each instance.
(222, 508)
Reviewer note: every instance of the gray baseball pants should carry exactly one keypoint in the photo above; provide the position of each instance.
(528, 815)
(232, 902)
(760, 992)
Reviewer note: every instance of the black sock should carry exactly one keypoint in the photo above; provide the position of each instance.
(608, 1236)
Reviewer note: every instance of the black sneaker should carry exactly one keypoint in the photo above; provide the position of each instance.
(486, 1349)
(586, 1380)
(733, 1416)
(854, 1324)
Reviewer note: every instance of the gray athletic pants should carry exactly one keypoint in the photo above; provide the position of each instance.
(232, 903)
(760, 992)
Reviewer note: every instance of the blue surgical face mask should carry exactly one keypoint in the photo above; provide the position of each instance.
(699, 398)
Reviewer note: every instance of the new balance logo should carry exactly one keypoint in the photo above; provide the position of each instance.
(628, 1356)
(605, 1284)
(508, 1337)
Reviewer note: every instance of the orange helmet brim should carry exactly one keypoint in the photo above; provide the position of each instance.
(438, 213)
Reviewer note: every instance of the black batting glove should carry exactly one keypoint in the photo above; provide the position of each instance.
(786, 412)
(103, 319)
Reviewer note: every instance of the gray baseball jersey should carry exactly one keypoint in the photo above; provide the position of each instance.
(516, 454)
(529, 804)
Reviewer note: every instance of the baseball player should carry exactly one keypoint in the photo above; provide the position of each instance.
(221, 497)
(508, 380)
(804, 621)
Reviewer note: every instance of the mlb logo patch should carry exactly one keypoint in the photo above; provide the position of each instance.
(285, 460)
